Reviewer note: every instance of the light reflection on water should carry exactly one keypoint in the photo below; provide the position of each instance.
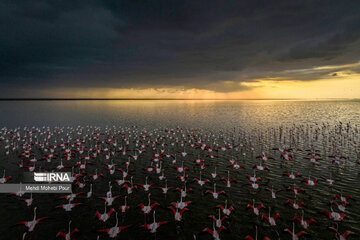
(206, 114)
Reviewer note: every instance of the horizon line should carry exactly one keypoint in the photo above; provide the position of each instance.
(172, 99)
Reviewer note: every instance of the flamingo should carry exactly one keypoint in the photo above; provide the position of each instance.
(228, 180)
(61, 166)
(71, 196)
(67, 235)
(69, 206)
(182, 177)
(214, 174)
(295, 236)
(124, 207)
(309, 181)
(271, 220)
(342, 236)
(178, 214)
(313, 159)
(253, 178)
(28, 201)
(255, 185)
(19, 193)
(260, 167)
(334, 215)
(219, 220)
(264, 157)
(304, 223)
(109, 199)
(214, 193)
(81, 185)
(273, 193)
(329, 180)
(181, 204)
(120, 182)
(89, 193)
(296, 190)
(292, 175)
(130, 188)
(106, 215)
(342, 198)
(236, 166)
(109, 193)
(182, 168)
(256, 210)
(150, 169)
(294, 204)
(115, 230)
(146, 186)
(154, 226)
(341, 206)
(96, 175)
(201, 182)
(162, 176)
(31, 224)
(166, 188)
(184, 191)
(225, 209)
(214, 232)
(149, 207)
(286, 156)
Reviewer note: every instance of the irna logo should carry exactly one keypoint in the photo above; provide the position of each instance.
(52, 177)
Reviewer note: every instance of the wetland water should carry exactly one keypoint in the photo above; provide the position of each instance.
(106, 128)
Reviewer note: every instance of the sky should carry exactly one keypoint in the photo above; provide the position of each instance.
(198, 49)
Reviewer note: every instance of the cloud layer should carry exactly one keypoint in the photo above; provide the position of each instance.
(209, 45)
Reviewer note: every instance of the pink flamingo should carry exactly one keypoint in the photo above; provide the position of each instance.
(69, 206)
(67, 235)
(152, 227)
(271, 220)
(166, 188)
(28, 201)
(219, 220)
(124, 207)
(181, 204)
(115, 230)
(334, 215)
(292, 175)
(215, 233)
(149, 207)
(214, 193)
(295, 236)
(256, 210)
(304, 223)
(31, 224)
(255, 185)
(294, 204)
(106, 215)
(342, 236)
(178, 214)
(273, 193)
(201, 182)
(225, 209)
(228, 180)
(309, 181)
(146, 186)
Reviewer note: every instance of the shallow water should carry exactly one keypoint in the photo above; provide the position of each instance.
(260, 125)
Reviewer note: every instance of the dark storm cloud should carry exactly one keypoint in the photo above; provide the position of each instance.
(190, 44)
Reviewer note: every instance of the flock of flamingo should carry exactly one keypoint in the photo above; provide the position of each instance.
(283, 183)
